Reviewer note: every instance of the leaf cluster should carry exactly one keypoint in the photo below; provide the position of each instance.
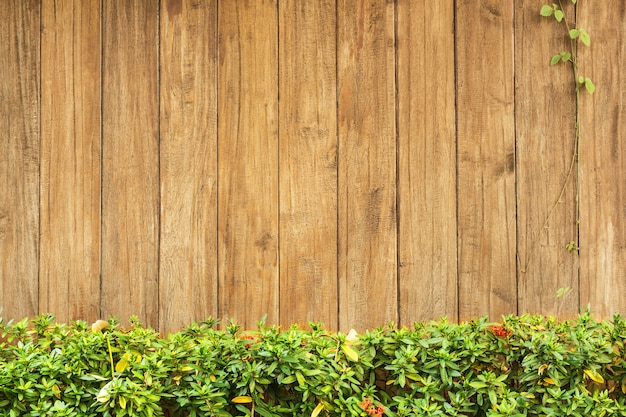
(524, 366)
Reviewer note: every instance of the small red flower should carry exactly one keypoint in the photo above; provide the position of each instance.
(248, 337)
(370, 409)
(499, 331)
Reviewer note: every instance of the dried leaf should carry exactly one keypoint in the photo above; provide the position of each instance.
(99, 325)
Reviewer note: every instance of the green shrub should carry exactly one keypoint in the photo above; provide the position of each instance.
(524, 366)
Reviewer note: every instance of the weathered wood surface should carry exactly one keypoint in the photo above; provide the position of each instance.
(308, 162)
(337, 161)
(603, 160)
(188, 162)
(427, 182)
(367, 212)
(69, 277)
(19, 157)
(486, 158)
(248, 161)
(130, 160)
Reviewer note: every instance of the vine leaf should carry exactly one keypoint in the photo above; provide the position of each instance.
(584, 37)
(546, 10)
(589, 85)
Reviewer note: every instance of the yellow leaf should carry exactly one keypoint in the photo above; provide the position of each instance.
(350, 353)
(56, 391)
(99, 325)
(624, 387)
(242, 399)
(121, 365)
(186, 368)
(542, 369)
(122, 401)
(317, 410)
(212, 378)
(549, 381)
(594, 376)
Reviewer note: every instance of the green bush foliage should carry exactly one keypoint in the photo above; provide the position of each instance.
(525, 366)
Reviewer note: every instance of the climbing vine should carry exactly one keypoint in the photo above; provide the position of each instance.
(575, 34)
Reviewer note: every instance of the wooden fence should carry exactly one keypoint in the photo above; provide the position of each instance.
(349, 162)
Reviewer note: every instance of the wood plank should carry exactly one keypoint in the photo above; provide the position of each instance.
(248, 161)
(188, 266)
(130, 164)
(70, 159)
(545, 110)
(19, 158)
(603, 160)
(486, 158)
(308, 163)
(367, 164)
(427, 161)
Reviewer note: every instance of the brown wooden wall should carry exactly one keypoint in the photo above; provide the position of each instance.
(345, 161)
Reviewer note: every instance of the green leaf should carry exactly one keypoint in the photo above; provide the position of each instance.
(589, 85)
(288, 380)
(573, 33)
(565, 56)
(546, 10)
(574, 1)
(584, 37)
(478, 384)
(559, 15)
(555, 59)
(561, 292)
(581, 79)
(300, 378)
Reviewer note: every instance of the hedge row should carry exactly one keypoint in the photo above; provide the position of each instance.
(524, 366)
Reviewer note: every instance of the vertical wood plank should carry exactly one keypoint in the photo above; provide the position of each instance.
(545, 110)
(603, 160)
(486, 158)
(367, 163)
(19, 158)
(70, 159)
(188, 266)
(427, 161)
(130, 167)
(248, 161)
(308, 163)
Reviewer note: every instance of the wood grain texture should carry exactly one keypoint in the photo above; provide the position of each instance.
(603, 160)
(248, 161)
(130, 168)
(486, 158)
(19, 158)
(188, 162)
(427, 161)
(70, 159)
(308, 163)
(545, 110)
(367, 163)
